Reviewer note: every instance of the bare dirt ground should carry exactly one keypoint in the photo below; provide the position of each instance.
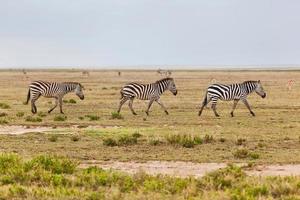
(186, 169)
(18, 130)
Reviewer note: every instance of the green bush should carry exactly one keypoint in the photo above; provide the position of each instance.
(60, 118)
(109, 142)
(4, 106)
(54, 164)
(20, 114)
(116, 115)
(3, 121)
(127, 140)
(42, 114)
(241, 153)
(187, 141)
(154, 141)
(208, 139)
(75, 138)
(3, 114)
(92, 117)
(136, 135)
(53, 138)
(33, 119)
(240, 141)
(72, 101)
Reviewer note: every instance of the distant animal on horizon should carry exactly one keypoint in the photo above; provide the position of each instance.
(52, 90)
(162, 72)
(234, 92)
(151, 92)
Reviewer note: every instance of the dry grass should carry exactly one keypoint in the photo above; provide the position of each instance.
(277, 117)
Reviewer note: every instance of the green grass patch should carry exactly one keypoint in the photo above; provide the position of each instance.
(116, 115)
(4, 106)
(33, 119)
(92, 117)
(20, 114)
(3, 114)
(60, 118)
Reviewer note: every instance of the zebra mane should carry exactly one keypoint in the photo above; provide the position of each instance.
(246, 82)
(164, 79)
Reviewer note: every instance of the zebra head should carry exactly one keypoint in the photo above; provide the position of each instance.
(78, 91)
(260, 90)
(171, 86)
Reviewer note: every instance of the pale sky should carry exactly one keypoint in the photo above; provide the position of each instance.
(139, 33)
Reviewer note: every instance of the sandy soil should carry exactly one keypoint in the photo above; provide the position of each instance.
(18, 130)
(185, 169)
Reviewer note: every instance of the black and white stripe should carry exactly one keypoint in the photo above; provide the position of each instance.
(52, 90)
(150, 92)
(233, 92)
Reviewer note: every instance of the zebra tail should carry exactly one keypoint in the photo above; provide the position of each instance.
(28, 96)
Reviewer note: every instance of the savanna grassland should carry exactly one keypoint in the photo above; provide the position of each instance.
(90, 130)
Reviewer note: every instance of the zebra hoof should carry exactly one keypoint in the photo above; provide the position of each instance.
(147, 113)
(231, 114)
(134, 113)
(252, 113)
(166, 112)
(217, 115)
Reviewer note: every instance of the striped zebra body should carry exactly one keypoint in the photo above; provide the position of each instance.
(233, 92)
(151, 92)
(52, 90)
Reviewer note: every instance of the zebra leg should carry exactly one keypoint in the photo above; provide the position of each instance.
(149, 105)
(56, 102)
(130, 106)
(122, 101)
(248, 106)
(162, 105)
(204, 103)
(60, 105)
(214, 107)
(33, 106)
(234, 106)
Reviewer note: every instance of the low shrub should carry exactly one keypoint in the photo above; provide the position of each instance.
(33, 119)
(4, 106)
(109, 142)
(240, 141)
(3, 121)
(116, 115)
(241, 153)
(53, 138)
(20, 114)
(75, 138)
(3, 114)
(187, 141)
(136, 135)
(72, 101)
(60, 118)
(208, 139)
(154, 141)
(127, 140)
(42, 114)
(92, 117)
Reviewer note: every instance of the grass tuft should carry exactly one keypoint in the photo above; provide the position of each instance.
(4, 106)
(93, 117)
(3, 114)
(33, 119)
(20, 114)
(116, 115)
(53, 138)
(60, 118)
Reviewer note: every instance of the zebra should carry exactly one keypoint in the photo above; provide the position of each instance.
(235, 92)
(150, 92)
(52, 90)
